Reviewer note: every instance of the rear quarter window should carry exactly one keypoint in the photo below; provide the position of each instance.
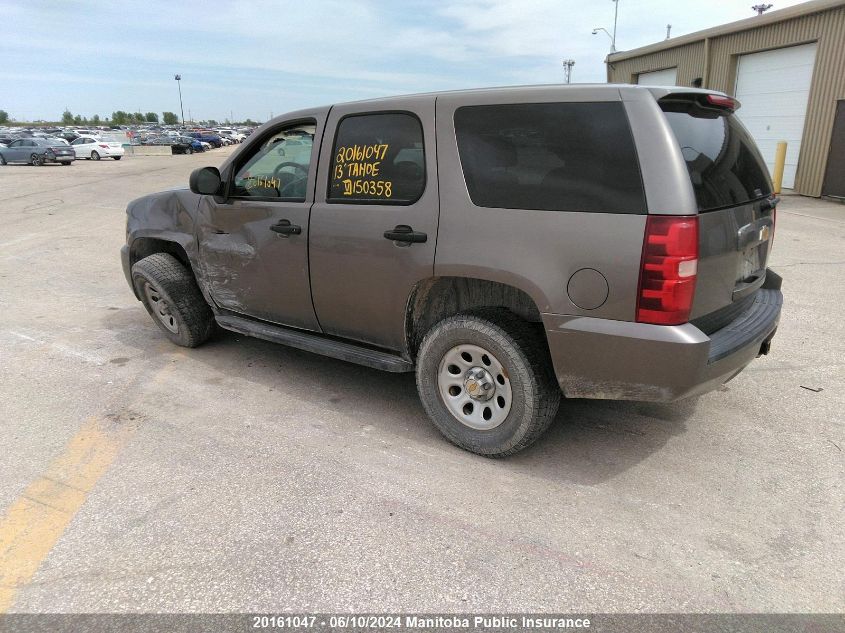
(550, 156)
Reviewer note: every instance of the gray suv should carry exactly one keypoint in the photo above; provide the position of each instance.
(508, 245)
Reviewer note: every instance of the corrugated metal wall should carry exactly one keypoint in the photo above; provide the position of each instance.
(828, 85)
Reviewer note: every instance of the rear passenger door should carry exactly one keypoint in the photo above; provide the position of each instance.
(374, 221)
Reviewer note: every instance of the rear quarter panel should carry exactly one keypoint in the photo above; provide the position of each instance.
(535, 251)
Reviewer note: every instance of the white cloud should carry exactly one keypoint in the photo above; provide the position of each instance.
(308, 53)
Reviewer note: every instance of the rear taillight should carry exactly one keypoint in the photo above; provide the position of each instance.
(668, 270)
(104, 146)
(722, 101)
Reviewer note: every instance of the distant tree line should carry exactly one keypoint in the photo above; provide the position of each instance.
(120, 117)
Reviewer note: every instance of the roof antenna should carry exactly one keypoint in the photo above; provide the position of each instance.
(761, 8)
(668, 31)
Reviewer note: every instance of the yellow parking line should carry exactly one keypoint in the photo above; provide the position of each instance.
(33, 524)
(37, 519)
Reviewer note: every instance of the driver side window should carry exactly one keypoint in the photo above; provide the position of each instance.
(279, 167)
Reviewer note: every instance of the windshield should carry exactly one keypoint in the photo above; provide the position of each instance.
(724, 164)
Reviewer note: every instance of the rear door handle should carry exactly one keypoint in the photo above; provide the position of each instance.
(404, 233)
(284, 227)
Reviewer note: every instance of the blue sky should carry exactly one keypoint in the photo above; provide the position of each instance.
(252, 58)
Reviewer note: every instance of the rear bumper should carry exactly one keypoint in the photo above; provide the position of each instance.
(620, 360)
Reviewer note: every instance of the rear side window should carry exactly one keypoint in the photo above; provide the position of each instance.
(550, 156)
(724, 164)
(378, 159)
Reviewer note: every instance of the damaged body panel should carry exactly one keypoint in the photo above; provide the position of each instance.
(161, 222)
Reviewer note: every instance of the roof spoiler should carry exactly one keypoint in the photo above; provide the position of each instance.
(711, 101)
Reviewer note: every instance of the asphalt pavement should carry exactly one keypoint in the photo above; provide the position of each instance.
(246, 476)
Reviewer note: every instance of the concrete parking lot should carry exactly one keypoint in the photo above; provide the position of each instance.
(242, 475)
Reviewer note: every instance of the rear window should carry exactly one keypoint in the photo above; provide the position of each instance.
(724, 164)
(550, 156)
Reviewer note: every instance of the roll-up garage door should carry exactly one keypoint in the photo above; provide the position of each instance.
(666, 77)
(773, 88)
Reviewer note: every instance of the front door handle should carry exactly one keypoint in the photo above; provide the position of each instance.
(284, 227)
(404, 233)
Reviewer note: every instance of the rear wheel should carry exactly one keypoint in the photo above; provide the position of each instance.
(117, 157)
(95, 156)
(170, 294)
(66, 163)
(485, 380)
(2, 160)
(37, 160)
(189, 150)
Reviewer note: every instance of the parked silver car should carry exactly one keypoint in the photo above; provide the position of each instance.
(37, 151)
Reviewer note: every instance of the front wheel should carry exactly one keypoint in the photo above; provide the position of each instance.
(117, 157)
(170, 294)
(486, 381)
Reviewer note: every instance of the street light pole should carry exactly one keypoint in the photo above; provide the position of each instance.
(615, 16)
(567, 69)
(612, 44)
(178, 79)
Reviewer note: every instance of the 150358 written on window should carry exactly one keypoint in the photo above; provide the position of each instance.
(357, 171)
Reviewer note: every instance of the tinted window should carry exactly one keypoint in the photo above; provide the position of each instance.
(724, 165)
(279, 167)
(378, 158)
(551, 156)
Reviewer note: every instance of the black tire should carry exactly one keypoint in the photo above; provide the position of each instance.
(95, 155)
(67, 163)
(189, 150)
(2, 160)
(36, 161)
(117, 157)
(163, 277)
(521, 349)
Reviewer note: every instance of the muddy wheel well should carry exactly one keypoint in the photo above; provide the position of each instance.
(435, 299)
(145, 246)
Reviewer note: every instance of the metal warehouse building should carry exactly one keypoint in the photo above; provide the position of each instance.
(787, 68)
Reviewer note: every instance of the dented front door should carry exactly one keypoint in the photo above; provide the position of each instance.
(253, 245)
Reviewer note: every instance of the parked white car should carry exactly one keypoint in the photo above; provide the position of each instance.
(95, 149)
(237, 137)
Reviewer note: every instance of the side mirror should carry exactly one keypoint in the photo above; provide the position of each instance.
(206, 181)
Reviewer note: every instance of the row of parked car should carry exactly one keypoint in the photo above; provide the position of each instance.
(63, 146)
